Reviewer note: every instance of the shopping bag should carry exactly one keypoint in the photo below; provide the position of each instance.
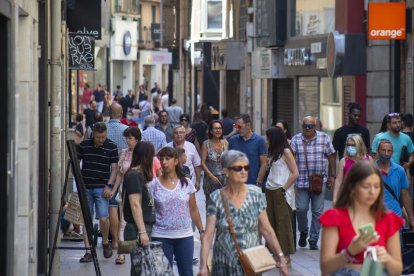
(74, 211)
(150, 261)
(371, 265)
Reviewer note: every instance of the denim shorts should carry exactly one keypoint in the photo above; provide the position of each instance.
(95, 197)
(345, 271)
(113, 202)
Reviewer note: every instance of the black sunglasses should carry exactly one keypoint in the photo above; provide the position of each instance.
(239, 168)
(184, 119)
(308, 126)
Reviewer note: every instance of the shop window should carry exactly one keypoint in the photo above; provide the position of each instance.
(331, 104)
(312, 17)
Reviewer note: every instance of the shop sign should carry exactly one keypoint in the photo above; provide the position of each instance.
(387, 21)
(85, 17)
(335, 53)
(127, 43)
(155, 57)
(124, 40)
(81, 51)
(265, 64)
(155, 31)
(297, 57)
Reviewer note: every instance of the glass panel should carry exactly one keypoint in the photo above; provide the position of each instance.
(313, 17)
(214, 15)
(127, 6)
(331, 104)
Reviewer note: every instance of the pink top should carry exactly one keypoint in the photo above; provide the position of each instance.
(125, 158)
(349, 163)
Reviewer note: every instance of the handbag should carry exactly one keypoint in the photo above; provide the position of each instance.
(126, 247)
(371, 265)
(74, 211)
(254, 260)
(150, 261)
(315, 180)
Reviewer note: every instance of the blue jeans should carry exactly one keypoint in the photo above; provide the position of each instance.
(303, 198)
(95, 197)
(182, 249)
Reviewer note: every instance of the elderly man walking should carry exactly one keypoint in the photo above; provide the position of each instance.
(153, 135)
(313, 150)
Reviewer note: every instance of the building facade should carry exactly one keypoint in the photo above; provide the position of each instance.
(19, 139)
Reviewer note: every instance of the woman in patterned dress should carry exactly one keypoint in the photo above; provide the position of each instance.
(247, 209)
(211, 151)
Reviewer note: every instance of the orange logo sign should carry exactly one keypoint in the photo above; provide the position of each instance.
(386, 21)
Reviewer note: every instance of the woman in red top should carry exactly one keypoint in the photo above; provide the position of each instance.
(360, 201)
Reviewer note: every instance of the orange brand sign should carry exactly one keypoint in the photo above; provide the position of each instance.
(386, 21)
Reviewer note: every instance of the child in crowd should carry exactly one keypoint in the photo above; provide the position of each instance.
(182, 158)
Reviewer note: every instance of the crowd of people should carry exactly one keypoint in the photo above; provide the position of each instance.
(267, 183)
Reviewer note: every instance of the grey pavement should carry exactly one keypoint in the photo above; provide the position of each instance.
(304, 262)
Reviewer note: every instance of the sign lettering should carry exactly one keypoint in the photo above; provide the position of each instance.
(81, 52)
(386, 21)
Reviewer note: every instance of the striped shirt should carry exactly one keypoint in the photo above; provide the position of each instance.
(317, 151)
(96, 162)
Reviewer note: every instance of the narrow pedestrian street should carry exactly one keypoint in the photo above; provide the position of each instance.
(305, 262)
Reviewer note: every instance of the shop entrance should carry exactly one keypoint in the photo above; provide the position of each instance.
(283, 101)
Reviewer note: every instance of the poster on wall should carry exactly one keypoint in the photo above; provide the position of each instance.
(311, 23)
(81, 49)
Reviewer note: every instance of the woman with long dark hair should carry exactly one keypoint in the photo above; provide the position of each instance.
(284, 126)
(175, 209)
(360, 204)
(138, 202)
(280, 193)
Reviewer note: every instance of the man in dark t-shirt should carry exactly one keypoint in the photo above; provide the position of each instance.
(228, 123)
(90, 114)
(353, 127)
(99, 157)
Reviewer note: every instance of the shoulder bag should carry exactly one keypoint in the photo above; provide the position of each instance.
(254, 260)
(315, 180)
(125, 247)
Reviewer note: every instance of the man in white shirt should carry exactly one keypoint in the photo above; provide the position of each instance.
(174, 113)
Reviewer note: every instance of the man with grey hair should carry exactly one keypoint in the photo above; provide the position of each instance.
(193, 158)
(313, 150)
(153, 135)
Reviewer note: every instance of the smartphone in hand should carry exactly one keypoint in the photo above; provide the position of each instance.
(366, 229)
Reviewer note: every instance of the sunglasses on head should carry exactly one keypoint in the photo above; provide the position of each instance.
(239, 168)
(308, 126)
(392, 115)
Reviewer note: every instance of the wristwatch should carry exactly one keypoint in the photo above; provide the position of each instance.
(201, 231)
(280, 254)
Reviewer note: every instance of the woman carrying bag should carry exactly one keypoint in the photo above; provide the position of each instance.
(359, 224)
(235, 216)
(138, 202)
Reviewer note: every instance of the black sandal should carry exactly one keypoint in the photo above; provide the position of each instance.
(87, 258)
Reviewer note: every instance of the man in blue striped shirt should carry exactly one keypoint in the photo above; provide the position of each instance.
(99, 157)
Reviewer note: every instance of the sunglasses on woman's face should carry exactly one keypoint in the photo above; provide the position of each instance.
(184, 120)
(239, 168)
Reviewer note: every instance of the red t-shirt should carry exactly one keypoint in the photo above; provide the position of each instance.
(125, 122)
(385, 227)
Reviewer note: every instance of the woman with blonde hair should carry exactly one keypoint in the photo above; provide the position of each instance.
(355, 151)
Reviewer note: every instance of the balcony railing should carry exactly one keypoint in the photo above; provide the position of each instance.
(127, 7)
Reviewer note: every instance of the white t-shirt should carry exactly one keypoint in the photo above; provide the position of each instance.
(278, 176)
(193, 159)
(164, 101)
(172, 210)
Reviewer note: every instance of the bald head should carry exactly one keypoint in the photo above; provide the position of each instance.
(309, 120)
(115, 111)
